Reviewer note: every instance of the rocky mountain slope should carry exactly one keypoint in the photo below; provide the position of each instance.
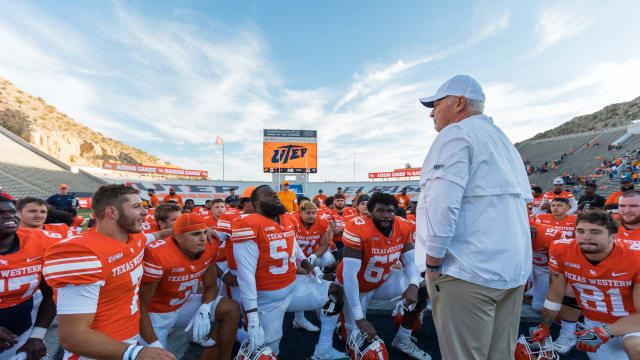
(55, 133)
(610, 116)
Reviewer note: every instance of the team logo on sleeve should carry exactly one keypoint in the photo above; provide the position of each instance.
(438, 167)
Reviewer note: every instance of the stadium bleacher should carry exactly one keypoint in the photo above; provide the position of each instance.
(582, 161)
(23, 172)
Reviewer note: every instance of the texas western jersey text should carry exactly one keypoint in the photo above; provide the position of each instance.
(603, 291)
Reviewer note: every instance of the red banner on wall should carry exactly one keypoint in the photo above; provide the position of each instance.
(149, 169)
(394, 174)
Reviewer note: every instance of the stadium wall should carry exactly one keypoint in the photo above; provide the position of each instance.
(202, 190)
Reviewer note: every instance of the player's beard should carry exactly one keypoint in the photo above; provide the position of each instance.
(130, 225)
(272, 210)
(385, 230)
(634, 221)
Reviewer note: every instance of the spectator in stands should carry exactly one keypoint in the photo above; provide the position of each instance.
(476, 271)
(558, 191)
(2, 193)
(232, 199)
(612, 202)
(153, 198)
(403, 199)
(590, 200)
(63, 199)
(288, 198)
(320, 196)
(173, 197)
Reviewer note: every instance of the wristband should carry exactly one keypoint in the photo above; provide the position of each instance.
(134, 353)
(37, 332)
(223, 275)
(156, 344)
(127, 353)
(553, 306)
(415, 281)
(434, 268)
(606, 328)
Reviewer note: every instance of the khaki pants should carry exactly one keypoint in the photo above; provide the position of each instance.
(474, 322)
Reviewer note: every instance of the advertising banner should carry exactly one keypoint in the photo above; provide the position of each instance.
(149, 169)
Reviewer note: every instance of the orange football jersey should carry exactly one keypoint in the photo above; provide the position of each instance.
(93, 258)
(537, 201)
(177, 274)
(308, 238)
(339, 219)
(604, 291)
(567, 225)
(276, 266)
(629, 236)
(61, 230)
(22, 270)
(552, 195)
(540, 244)
(224, 224)
(149, 224)
(379, 252)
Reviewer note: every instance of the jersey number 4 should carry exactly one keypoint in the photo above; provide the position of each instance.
(277, 250)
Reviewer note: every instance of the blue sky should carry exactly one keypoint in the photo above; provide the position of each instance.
(168, 77)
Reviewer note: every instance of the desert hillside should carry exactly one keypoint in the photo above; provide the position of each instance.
(55, 133)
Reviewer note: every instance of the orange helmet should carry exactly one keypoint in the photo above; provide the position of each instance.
(360, 348)
(261, 353)
(526, 350)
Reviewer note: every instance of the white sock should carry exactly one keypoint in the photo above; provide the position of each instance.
(567, 328)
(299, 315)
(241, 336)
(403, 333)
(327, 327)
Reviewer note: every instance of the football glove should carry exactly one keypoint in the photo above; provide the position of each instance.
(539, 333)
(591, 339)
(256, 333)
(200, 323)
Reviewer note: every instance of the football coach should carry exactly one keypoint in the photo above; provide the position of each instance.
(472, 233)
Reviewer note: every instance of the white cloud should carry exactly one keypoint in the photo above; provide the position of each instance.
(560, 23)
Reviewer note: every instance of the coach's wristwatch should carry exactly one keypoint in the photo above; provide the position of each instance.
(434, 269)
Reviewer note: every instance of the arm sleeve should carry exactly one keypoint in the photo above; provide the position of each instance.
(246, 254)
(350, 268)
(409, 266)
(78, 299)
(299, 253)
(442, 207)
(574, 205)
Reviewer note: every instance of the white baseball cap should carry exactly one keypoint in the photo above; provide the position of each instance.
(558, 181)
(459, 85)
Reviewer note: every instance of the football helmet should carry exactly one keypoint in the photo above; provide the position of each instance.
(360, 348)
(261, 353)
(527, 350)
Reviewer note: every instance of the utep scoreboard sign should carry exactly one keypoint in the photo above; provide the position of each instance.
(290, 151)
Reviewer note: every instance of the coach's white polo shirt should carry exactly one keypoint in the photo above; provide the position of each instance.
(472, 206)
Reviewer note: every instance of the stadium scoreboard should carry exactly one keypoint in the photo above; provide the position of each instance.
(290, 151)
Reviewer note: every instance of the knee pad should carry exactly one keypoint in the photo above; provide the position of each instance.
(571, 302)
(422, 300)
(332, 307)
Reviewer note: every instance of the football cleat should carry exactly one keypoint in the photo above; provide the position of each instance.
(360, 348)
(408, 348)
(305, 324)
(261, 353)
(564, 344)
(332, 354)
(543, 350)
